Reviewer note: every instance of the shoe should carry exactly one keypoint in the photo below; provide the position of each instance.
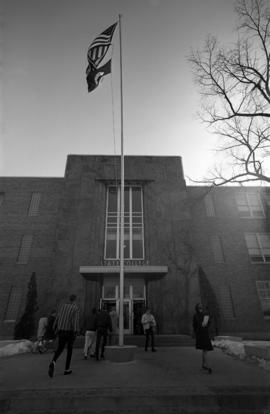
(92, 356)
(85, 357)
(209, 370)
(145, 349)
(154, 350)
(67, 371)
(51, 369)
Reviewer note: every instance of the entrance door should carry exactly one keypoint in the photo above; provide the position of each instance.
(138, 310)
(134, 301)
(127, 312)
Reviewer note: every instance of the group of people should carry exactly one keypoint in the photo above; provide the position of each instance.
(99, 325)
(102, 324)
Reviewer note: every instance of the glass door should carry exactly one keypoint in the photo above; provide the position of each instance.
(138, 311)
(134, 301)
(127, 317)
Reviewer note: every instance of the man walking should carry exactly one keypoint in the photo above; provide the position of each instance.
(67, 325)
(103, 324)
(149, 323)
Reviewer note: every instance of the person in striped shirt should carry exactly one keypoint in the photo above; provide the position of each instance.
(67, 325)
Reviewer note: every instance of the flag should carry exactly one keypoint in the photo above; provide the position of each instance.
(94, 75)
(95, 54)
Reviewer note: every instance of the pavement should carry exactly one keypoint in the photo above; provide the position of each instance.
(168, 381)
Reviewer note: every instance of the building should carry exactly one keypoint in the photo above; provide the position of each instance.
(182, 245)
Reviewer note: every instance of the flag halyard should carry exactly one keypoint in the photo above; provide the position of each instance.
(95, 54)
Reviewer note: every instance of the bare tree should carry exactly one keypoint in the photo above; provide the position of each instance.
(234, 84)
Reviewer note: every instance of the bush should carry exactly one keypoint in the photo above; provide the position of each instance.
(24, 329)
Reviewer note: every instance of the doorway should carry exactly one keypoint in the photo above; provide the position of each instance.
(132, 313)
(134, 301)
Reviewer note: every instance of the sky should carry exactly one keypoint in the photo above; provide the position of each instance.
(46, 110)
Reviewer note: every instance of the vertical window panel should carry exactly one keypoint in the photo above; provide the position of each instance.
(126, 199)
(258, 245)
(133, 223)
(137, 199)
(13, 305)
(34, 204)
(249, 205)
(2, 197)
(25, 248)
(263, 289)
(267, 199)
(209, 206)
(226, 302)
(217, 249)
(112, 199)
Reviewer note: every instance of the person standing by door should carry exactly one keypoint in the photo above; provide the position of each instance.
(90, 335)
(149, 324)
(67, 325)
(103, 325)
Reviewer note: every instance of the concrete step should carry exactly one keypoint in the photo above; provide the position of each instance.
(144, 401)
(139, 340)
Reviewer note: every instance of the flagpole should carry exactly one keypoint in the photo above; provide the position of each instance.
(122, 189)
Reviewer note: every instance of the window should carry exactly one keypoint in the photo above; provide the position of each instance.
(34, 204)
(267, 198)
(249, 205)
(138, 289)
(226, 302)
(258, 245)
(263, 289)
(209, 206)
(133, 288)
(109, 291)
(217, 249)
(133, 223)
(25, 248)
(13, 304)
(2, 197)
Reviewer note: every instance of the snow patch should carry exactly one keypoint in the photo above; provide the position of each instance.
(237, 349)
(15, 347)
(233, 348)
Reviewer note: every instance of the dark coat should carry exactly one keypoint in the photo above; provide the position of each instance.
(201, 333)
(103, 320)
(91, 323)
(50, 333)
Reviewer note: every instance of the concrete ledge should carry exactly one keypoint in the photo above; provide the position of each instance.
(258, 351)
(123, 353)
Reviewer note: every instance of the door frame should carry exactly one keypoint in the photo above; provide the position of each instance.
(126, 300)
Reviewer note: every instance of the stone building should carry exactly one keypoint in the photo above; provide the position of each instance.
(182, 245)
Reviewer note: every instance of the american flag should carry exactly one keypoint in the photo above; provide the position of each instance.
(99, 47)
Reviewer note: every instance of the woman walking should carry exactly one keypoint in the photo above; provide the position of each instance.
(200, 325)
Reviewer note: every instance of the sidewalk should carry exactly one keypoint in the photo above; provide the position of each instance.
(161, 382)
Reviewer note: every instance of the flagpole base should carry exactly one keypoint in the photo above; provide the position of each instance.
(124, 353)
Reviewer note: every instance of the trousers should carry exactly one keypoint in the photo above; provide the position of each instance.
(101, 339)
(89, 343)
(65, 338)
(149, 333)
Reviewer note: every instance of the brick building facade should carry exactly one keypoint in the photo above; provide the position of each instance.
(182, 244)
